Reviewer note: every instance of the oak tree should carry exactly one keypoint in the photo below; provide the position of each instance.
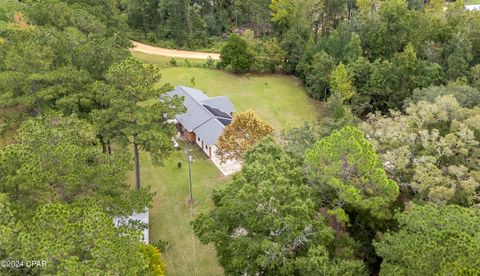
(246, 130)
(431, 150)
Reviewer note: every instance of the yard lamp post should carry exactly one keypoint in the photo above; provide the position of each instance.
(190, 179)
(189, 159)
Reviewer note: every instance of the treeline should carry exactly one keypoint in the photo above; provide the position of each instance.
(385, 49)
(193, 24)
(389, 183)
(70, 95)
(396, 194)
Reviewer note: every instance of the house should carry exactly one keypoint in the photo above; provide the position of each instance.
(472, 7)
(139, 219)
(205, 118)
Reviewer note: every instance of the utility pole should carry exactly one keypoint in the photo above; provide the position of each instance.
(189, 159)
(190, 179)
(190, 201)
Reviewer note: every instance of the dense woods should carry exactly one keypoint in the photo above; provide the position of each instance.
(387, 182)
(61, 181)
(386, 48)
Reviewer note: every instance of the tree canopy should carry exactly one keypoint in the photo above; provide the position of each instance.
(246, 130)
(53, 50)
(431, 150)
(55, 160)
(72, 239)
(432, 240)
(236, 55)
(348, 174)
(266, 222)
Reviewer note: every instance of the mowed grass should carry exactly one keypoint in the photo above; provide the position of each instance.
(472, 2)
(170, 214)
(280, 100)
(163, 61)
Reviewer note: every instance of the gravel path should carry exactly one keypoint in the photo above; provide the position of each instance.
(152, 50)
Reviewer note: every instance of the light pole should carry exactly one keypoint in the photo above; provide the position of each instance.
(190, 179)
(189, 159)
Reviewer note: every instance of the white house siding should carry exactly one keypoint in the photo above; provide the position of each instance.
(472, 7)
(205, 148)
(198, 141)
(226, 168)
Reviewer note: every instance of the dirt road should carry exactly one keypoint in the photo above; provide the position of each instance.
(147, 49)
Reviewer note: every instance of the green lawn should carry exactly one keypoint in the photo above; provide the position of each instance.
(471, 2)
(170, 215)
(163, 61)
(279, 99)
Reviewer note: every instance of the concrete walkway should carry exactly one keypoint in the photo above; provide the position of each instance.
(227, 168)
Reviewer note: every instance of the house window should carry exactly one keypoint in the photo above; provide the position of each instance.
(206, 147)
(198, 139)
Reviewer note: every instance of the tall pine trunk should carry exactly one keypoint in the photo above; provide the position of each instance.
(37, 101)
(109, 147)
(137, 165)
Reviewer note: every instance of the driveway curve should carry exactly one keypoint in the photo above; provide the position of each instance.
(152, 50)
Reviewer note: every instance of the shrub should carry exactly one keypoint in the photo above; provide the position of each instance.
(210, 63)
(162, 245)
(236, 55)
(156, 266)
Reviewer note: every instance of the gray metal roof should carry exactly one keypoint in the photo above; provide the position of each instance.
(207, 122)
(196, 114)
(210, 131)
(196, 94)
(221, 102)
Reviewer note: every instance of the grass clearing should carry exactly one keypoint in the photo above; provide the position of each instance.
(472, 2)
(170, 215)
(279, 99)
(163, 61)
